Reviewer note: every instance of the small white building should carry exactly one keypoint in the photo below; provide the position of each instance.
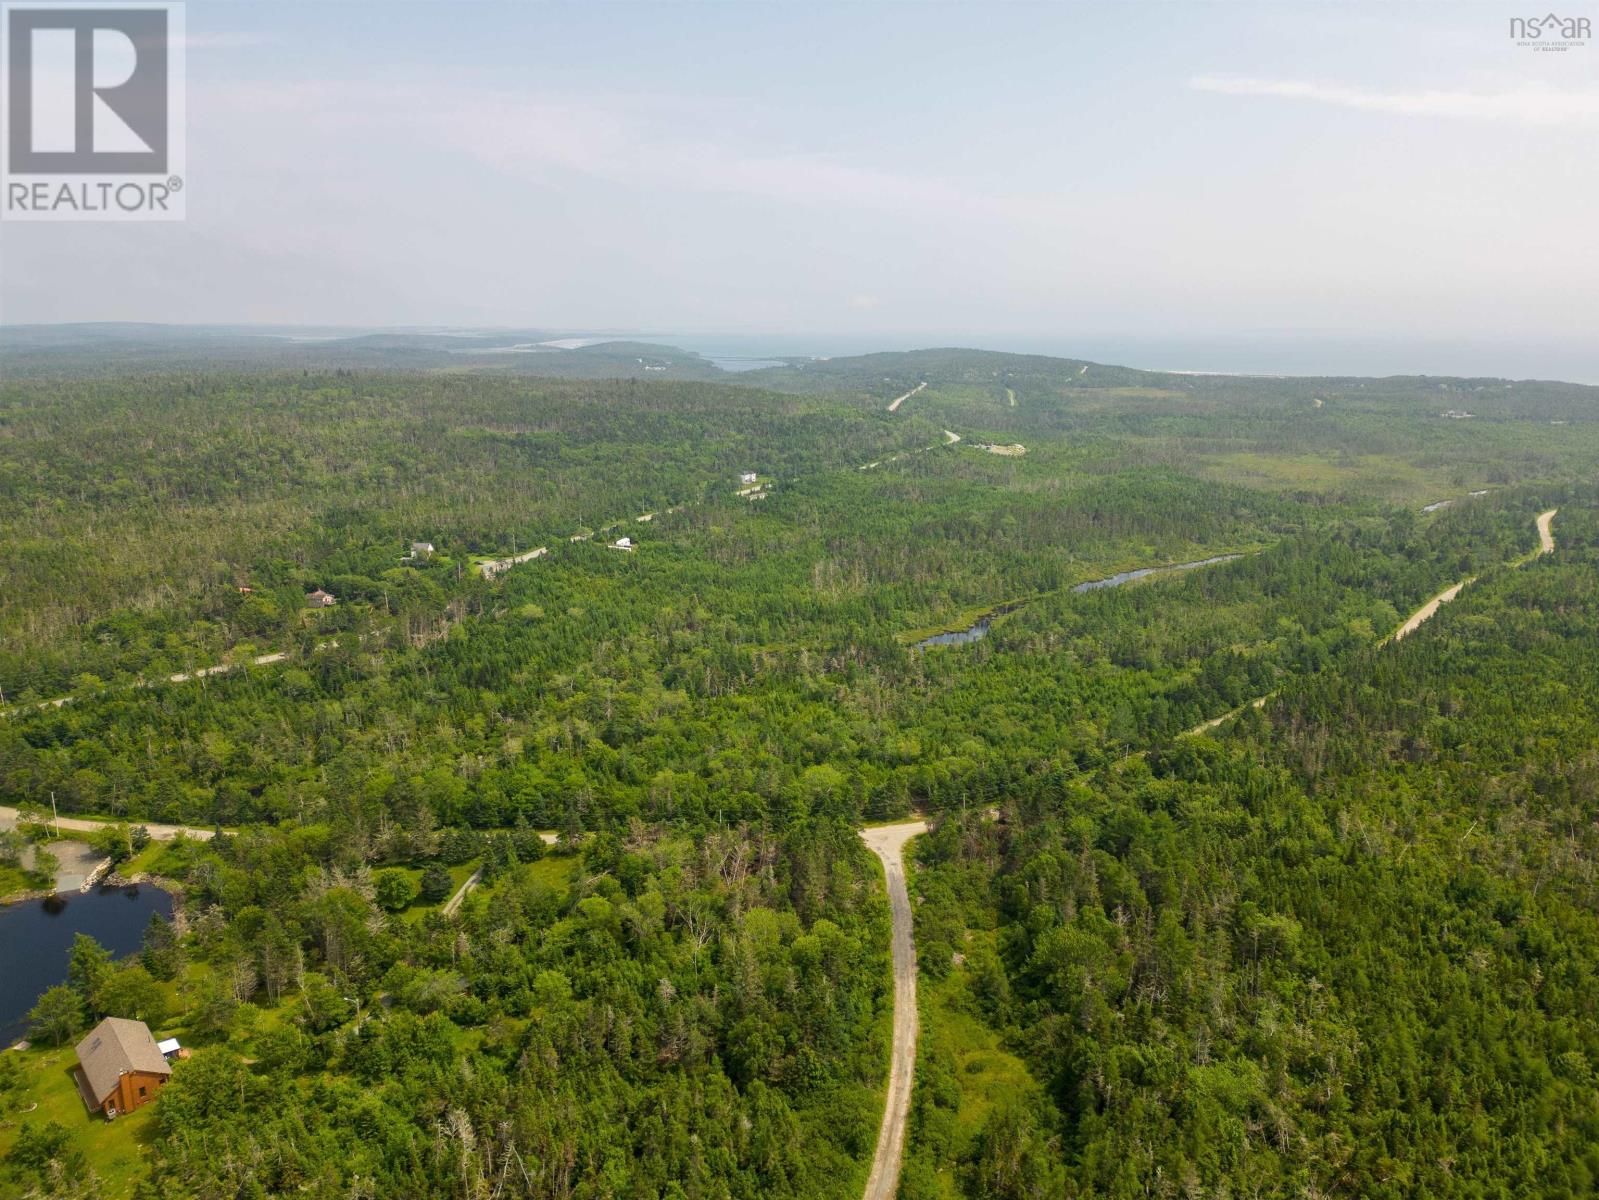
(622, 543)
(421, 549)
(748, 477)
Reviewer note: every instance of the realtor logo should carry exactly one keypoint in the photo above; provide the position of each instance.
(1550, 32)
(94, 112)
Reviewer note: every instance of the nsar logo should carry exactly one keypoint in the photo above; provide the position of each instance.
(1550, 32)
(95, 113)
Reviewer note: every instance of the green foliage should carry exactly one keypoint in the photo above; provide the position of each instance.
(436, 884)
(58, 1016)
(113, 841)
(131, 991)
(45, 1157)
(42, 868)
(1343, 948)
(1235, 964)
(88, 968)
(395, 890)
(161, 953)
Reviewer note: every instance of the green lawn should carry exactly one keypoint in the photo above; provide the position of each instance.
(13, 880)
(143, 862)
(114, 1149)
(419, 908)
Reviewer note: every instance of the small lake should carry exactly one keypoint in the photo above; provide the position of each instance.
(35, 936)
(979, 629)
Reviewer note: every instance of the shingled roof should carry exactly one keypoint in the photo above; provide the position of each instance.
(113, 1048)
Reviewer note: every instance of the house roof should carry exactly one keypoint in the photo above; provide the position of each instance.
(170, 1046)
(113, 1048)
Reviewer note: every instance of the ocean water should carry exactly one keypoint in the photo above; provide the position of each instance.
(1266, 354)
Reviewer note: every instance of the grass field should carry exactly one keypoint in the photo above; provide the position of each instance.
(419, 908)
(13, 880)
(48, 1093)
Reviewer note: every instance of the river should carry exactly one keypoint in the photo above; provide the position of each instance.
(979, 629)
(36, 935)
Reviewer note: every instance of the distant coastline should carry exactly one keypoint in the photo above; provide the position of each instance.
(1267, 356)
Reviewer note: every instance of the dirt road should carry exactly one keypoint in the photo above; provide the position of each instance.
(453, 904)
(1424, 614)
(1257, 702)
(1546, 536)
(1546, 544)
(500, 565)
(894, 407)
(161, 833)
(888, 843)
(260, 660)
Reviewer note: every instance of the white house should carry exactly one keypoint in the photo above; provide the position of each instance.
(748, 477)
(622, 543)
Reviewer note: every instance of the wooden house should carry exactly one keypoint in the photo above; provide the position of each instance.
(120, 1067)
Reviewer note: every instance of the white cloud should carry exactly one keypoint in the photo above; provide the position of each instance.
(1531, 104)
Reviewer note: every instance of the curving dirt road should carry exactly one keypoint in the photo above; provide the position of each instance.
(888, 843)
(1546, 536)
(1546, 543)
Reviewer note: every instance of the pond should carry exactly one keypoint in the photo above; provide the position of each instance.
(956, 637)
(35, 936)
(979, 629)
(959, 637)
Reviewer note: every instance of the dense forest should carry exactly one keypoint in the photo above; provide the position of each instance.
(1347, 948)
(545, 881)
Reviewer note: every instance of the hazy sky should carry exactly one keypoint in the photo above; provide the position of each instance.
(1178, 170)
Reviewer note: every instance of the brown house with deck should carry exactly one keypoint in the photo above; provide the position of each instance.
(120, 1067)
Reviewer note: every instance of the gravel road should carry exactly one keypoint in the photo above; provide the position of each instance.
(888, 843)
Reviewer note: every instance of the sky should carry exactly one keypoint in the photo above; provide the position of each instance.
(969, 173)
